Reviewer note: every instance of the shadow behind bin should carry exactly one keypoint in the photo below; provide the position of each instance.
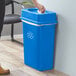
(38, 36)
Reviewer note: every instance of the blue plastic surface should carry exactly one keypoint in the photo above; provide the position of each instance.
(32, 15)
(38, 42)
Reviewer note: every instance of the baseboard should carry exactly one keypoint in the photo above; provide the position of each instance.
(9, 37)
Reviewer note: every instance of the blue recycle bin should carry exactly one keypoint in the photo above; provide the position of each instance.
(38, 36)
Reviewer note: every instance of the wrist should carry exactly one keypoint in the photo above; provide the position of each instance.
(35, 3)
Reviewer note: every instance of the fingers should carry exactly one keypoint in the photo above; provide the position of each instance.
(42, 9)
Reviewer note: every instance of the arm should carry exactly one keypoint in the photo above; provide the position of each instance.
(39, 6)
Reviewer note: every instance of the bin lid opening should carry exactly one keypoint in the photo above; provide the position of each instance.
(35, 10)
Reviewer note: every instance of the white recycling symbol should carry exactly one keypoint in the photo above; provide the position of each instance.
(30, 35)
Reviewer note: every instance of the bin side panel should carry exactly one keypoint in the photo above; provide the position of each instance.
(30, 45)
(39, 46)
(46, 52)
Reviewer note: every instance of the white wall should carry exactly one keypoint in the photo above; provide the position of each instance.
(66, 36)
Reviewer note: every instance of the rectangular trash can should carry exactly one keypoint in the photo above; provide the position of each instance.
(38, 36)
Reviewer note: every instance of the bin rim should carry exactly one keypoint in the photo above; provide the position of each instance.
(36, 24)
(46, 11)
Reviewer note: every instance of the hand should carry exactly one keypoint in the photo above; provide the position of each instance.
(40, 7)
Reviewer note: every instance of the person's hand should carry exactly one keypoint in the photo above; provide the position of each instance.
(40, 7)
